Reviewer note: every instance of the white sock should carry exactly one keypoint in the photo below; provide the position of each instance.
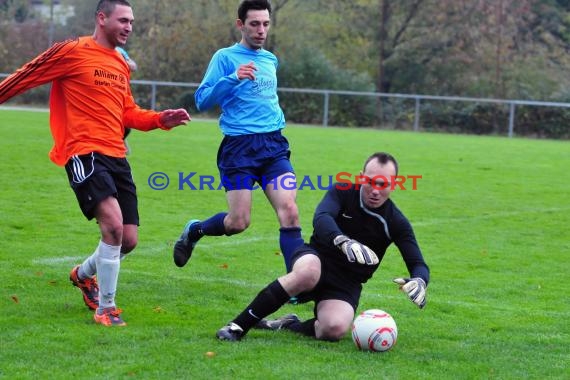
(108, 265)
(88, 268)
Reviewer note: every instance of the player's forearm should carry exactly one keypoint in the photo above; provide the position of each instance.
(207, 95)
(141, 119)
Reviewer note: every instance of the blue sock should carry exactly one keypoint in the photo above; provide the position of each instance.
(213, 226)
(289, 239)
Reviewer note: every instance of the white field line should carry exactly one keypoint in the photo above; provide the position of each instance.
(152, 250)
(237, 241)
(67, 261)
(56, 261)
(253, 286)
(23, 108)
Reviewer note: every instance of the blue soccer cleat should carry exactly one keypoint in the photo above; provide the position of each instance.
(185, 244)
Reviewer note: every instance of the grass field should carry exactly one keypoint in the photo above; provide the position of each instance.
(491, 215)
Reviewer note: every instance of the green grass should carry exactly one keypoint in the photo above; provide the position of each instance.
(491, 215)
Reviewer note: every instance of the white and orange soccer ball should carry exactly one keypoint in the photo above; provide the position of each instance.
(374, 330)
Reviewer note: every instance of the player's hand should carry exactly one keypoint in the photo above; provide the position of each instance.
(415, 288)
(174, 118)
(246, 71)
(355, 251)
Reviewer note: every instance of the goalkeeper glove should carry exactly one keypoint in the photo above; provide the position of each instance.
(355, 251)
(415, 288)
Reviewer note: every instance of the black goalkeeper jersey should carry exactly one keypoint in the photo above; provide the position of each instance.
(341, 212)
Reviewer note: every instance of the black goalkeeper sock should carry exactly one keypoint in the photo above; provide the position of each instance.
(267, 301)
(306, 328)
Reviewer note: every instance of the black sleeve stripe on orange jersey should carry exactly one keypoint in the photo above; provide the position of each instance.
(39, 63)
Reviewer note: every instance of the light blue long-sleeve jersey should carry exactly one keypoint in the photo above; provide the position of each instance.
(247, 106)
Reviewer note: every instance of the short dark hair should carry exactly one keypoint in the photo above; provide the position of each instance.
(256, 5)
(382, 158)
(108, 6)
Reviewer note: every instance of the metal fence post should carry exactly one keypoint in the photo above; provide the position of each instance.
(511, 118)
(153, 97)
(417, 115)
(326, 110)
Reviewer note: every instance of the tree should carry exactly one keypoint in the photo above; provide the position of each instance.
(391, 33)
(482, 48)
(276, 7)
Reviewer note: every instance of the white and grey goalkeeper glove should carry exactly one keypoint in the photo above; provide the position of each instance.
(355, 251)
(415, 288)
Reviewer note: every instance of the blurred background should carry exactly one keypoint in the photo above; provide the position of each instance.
(492, 49)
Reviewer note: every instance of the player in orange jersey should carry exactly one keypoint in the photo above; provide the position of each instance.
(90, 106)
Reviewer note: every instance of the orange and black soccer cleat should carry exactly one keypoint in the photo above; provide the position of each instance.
(88, 287)
(110, 316)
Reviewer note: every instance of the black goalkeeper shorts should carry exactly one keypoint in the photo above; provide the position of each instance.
(331, 285)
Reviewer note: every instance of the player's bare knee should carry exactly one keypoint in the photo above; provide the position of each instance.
(332, 325)
(112, 232)
(128, 245)
(289, 215)
(332, 332)
(235, 226)
(308, 275)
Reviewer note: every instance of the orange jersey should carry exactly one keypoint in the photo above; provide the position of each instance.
(90, 99)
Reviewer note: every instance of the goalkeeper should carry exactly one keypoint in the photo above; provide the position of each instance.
(353, 226)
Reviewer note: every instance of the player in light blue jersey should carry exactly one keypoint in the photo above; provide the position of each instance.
(242, 80)
(249, 104)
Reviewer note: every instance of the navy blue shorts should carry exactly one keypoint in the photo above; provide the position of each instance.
(331, 286)
(95, 177)
(259, 158)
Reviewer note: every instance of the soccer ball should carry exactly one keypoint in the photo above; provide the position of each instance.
(374, 330)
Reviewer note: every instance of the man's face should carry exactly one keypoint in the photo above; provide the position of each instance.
(255, 28)
(377, 190)
(118, 25)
